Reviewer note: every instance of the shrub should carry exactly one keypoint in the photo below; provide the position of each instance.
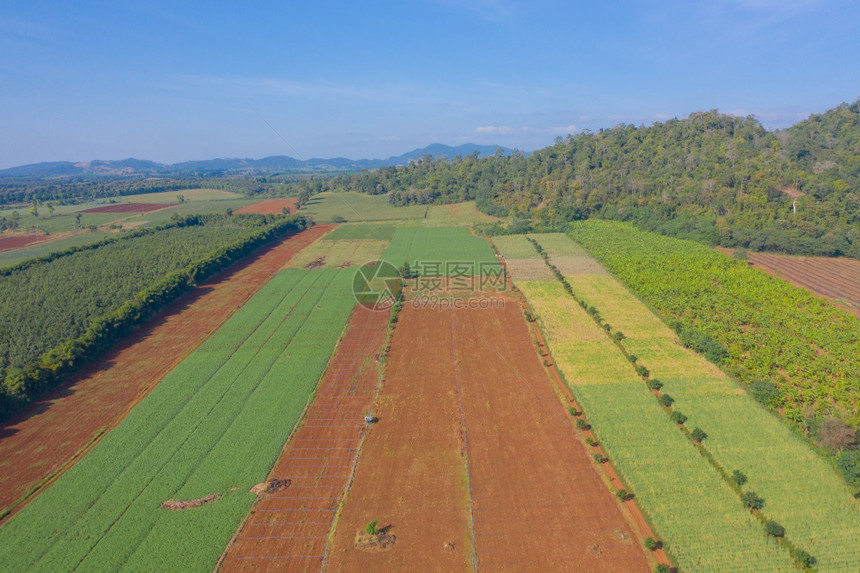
(581, 425)
(662, 568)
(774, 529)
(618, 336)
(849, 464)
(633, 358)
(606, 327)
(678, 417)
(752, 500)
(655, 384)
(573, 411)
(651, 544)
(739, 477)
(698, 435)
(590, 442)
(338, 219)
(642, 371)
(623, 494)
(666, 400)
(599, 459)
(803, 558)
(371, 528)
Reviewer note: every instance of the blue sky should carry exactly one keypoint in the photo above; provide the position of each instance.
(174, 81)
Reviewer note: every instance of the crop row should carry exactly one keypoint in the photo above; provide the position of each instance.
(213, 426)
(823, 519)
(705, 526)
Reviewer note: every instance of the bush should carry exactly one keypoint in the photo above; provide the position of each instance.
(667, 400)
(655, 384)
(849, 464)
(698, 435)
(372, 528)
(599, 459)
(651, 544)
(766, 393)
(590, 442)
(678, 417)
(752, 500)
(623, 494)
(662, 568)
(581, 425)
(337, 219)
(803, 558)
(618, 336)
(739, 477)
(642, 371)
(573, 411)
(774, 529)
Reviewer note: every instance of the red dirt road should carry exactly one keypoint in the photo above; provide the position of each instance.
(411, 474)
(270, 206)
(289, 529)
(129, 208)
(49, 435)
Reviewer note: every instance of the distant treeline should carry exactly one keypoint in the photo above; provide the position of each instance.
(64, 309)
(718, 179)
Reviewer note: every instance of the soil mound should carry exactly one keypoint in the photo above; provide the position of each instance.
(177, 504)
(270, 486)
(316, 264)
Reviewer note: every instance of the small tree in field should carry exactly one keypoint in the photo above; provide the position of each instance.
(752, 500)
(651, 544)
(803, 558)
(666, 400)
(372, 528)
(581, 425)
(599, 459)
(678, 417)
(739, 477)
(774, 529)
(698, 435)
(623, 494)
(662, 568)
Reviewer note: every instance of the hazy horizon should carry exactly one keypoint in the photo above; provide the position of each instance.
(172, 83)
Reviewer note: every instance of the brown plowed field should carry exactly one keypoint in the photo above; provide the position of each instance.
(47, 436)
(129, 208)
(836, 279)
(16, 241)
(538, 503)
(411, 475)
(288, 530)
(270, 206)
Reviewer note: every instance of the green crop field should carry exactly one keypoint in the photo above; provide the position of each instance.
(214, 425)
(456, 214)
(824, 520)
(702, 521)
(427, 245)
(382, 231)
(358, 208)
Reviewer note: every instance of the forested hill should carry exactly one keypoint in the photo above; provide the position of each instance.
(711, 177)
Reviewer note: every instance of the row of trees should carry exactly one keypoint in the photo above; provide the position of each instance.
(67, 308)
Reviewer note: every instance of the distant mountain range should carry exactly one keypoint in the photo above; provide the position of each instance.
(131, 167)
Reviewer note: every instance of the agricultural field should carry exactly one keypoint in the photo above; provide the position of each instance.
(189, 195)
(378, 231)
(141, 208)
(427, 246)
(358, 208)
(41, 440)
(779, 465)
(771, 330)
(339, 254)
(270, 206)
(456, 214)
(836, 279)
(188, 440)
(698, 516)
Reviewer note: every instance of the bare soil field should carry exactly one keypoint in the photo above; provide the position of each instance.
(48, 436)
(836, 279)
(539, 504)
(475, 462)
(289, 528)
(129, 208)
(270, 206)
(411, 475)
(18, 240)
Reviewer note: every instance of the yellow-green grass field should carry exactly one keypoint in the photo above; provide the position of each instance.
(698, 516)
(358, 208)
(338, 254)
(801, 491)
(456, 214)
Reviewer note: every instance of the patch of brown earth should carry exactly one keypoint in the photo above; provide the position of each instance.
(179, 505)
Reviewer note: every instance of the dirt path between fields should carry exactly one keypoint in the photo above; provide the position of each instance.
(47, 437)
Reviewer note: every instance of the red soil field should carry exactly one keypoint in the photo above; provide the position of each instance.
(468, 384)
(129, 208)
(411, 475)
(9, 242)
(289, 529)
(836, 279)
(49, 435)
(539, 504)
(270, 206)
